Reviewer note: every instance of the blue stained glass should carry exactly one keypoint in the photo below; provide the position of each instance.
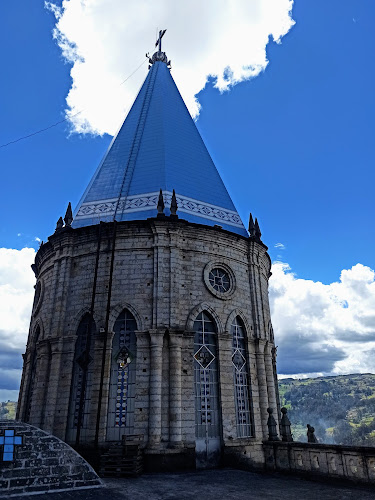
(1, 439)
(9, 440)
(18, 440)
(8, 457)
(9, 432)
(9, 448)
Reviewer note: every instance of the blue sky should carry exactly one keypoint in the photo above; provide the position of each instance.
(294, 145)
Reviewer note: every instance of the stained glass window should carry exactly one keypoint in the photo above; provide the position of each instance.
(241, 379)
(123, 371)
(219, 280)
(206, 378)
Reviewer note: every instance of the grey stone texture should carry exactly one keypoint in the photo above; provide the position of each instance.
(159, 276)
(352, 463)
(42, 463)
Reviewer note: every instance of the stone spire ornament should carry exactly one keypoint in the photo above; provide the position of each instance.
(286, 433)
(257, 234)
(174, 205)
(59, 225)
(272, 426)
(251, 226)
(161, 205)
(68, 216)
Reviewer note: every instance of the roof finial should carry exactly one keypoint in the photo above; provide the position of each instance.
(159, 55)
(258, 234)
(161, 205)
(59, 225)
(251, 226)
(174, 205)
(69, 215)
(158, 41)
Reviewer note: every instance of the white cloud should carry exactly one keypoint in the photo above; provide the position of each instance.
(16, 295)
(280, 246)
(324, 328)
(105, 41)
(37, 239)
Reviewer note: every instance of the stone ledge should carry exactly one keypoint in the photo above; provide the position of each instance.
(351, 463)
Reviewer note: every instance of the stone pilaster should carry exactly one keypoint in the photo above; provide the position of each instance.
(272, 399)
(40, 383)
(156, 348)
(254, 390)
(262, 384)
(227, 391)
(142, 397)
(53, 388)
(99, 339)
(175, 395)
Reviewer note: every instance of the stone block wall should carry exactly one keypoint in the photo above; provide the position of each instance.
(353, 463)
(160, 270)
(42, 463)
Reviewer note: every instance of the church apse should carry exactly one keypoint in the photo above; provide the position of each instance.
(154, 301)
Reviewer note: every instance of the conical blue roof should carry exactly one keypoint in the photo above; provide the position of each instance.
(157, 147)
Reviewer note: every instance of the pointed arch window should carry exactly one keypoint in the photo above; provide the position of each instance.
(122, 381)
(82, 376)
(241, 379)
(32, 376)
(207, 405)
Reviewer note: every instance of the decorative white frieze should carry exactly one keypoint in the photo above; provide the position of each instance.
(140, 203)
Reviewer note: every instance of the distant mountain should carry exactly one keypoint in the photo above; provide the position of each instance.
(8, 410)
(341, 408)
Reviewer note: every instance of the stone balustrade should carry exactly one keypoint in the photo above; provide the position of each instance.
(354, 463)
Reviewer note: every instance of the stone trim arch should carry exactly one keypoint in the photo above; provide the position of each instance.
(117, 310)
(74, 324)
(211, 311)
(38, 323)
(248, 326)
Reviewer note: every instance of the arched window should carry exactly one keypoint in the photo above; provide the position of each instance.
(241, 379)
(32, 376)
(81, 387)
(122, 381)
(207, 404)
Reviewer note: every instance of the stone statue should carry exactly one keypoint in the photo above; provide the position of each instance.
(286, 432)
(311, 438)
(272, 426)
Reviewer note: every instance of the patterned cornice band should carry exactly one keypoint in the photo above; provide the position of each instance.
(139, 203)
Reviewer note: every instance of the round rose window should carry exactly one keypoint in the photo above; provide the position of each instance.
(219, 280)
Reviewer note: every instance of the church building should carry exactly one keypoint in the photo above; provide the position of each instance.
(151, 314)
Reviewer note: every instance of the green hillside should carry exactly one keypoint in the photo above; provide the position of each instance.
(342, 408)
(8, 410)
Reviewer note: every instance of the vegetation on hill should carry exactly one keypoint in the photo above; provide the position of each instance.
(341, 408)
(8, 410)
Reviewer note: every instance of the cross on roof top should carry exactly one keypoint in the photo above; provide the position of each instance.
(158, 41)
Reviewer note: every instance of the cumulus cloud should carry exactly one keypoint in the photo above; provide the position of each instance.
(324, 328)
(105, 41)
(16, 295)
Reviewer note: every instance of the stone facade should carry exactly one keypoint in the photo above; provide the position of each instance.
(158, 271)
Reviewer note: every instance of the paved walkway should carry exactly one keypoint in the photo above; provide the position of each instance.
(226, 484)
